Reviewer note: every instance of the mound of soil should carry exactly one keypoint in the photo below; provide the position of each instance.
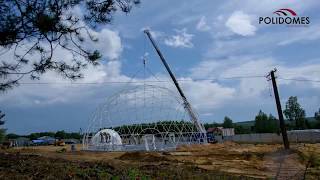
(207, 147)
(142, 156)
(28, 166)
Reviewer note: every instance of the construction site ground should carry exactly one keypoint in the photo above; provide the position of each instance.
(209, 161)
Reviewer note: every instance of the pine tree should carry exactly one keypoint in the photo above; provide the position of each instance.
(40, 27)
(227, 122)
(265, 124)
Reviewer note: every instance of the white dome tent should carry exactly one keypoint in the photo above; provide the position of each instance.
(106, 139)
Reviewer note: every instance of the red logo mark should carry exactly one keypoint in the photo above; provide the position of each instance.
(285, 12)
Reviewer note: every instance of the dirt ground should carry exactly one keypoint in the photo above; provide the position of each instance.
(211, 161)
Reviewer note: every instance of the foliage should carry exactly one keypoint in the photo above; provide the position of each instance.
(317, 118)
(1, 118)
(34, 30)
(162, 126)
(260, 122)
(240, 129)
(33, 136)
(136, 174)
(59, 135)
(227, 122)
(295, 113)
(317, 115)
(249, 126)
(211, 125)
(12, 136)
(265, 124)
(2, 135)
(273, 124)
(64, 135)
(2, 131)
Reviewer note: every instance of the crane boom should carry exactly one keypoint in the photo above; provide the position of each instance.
(187, 105)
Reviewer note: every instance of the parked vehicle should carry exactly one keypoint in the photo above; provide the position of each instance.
(211, 138)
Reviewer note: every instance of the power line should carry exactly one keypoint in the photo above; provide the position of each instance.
(233, 77)
(302, 80)
(141, 82)
(167, 81)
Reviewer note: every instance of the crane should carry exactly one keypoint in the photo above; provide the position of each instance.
(187, 105)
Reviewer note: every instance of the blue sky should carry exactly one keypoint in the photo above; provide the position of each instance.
(201, 40)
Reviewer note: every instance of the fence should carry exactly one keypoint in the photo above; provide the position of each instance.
(293, 136)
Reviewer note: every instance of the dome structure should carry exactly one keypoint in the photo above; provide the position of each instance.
(145, 117)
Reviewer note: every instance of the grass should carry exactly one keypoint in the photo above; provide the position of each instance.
(310, 156)
(212, 161)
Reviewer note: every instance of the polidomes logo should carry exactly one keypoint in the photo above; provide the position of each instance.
(287, 17)
(285, 12)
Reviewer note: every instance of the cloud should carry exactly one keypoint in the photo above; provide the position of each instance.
(221, 70)
(202, 24)
(311, 33)
(264, 7)
(182, 39)
(246, 96)
(207, 68)
(57, 90)
(109, 43)
(240, 24)
(207, 95)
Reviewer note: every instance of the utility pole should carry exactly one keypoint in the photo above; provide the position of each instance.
(280, 114)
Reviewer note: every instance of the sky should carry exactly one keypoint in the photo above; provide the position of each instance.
(209, 45)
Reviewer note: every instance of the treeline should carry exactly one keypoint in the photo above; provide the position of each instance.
(263, 123)
(157, 127)
(57, 135)
(144, 128)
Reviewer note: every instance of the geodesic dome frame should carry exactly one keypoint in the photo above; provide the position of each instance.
(146, 117)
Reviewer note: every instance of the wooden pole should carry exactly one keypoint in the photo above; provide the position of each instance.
(278, 103)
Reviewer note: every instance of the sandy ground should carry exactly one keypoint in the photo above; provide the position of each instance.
(240, 160)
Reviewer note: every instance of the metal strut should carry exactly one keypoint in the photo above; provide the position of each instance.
(187, 105)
